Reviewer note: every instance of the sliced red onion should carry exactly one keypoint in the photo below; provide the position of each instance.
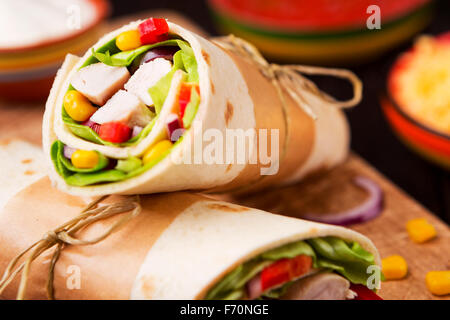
(68, 151)
(160, 52)
(254, 289)
(136, 131)
(368, 210)
(173, 126)
(93, 125)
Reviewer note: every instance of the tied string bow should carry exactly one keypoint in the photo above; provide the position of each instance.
(64, 235)
(290, 78)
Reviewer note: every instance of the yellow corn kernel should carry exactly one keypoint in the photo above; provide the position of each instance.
(84, 159)
(420, 230)
(438, 282)
(78, 106)
(394, 267)
(128, 40)
(156, 151)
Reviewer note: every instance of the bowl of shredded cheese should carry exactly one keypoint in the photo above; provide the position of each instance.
(417, 104)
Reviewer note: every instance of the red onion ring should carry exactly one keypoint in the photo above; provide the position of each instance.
(173, 127)
(136, 131)
(68, 151)
(368, 210)
(94, 126)
(253, 287)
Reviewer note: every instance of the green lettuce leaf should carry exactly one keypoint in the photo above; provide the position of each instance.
(84, 178)
(348, 259)
(90, 135)
(56, 148)
(191, 109)
(66, 166)
(109, 47)
(289, 250)
(125, 58)
(236, 279)
(328, 253)
(184, 60)
(129, 165)
(160, 90)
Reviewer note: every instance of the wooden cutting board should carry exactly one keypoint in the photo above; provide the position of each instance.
(333, 191)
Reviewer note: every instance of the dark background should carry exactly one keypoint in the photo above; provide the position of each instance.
(371, 135)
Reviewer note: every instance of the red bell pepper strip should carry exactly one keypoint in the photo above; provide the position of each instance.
(284, 270)
(185, 96)
(153, 30)
(364, 293)
(115, 132)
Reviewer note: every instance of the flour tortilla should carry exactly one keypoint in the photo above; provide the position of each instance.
(177, 248)
(214, 67)
(21, 163)
(234, 95)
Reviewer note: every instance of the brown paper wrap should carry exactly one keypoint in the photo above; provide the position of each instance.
(176, 248)
(235, 94)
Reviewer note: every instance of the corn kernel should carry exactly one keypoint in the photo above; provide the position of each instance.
(78, 106)
(128, 40)
(156, 151)
(394, 267)
(438, 282)
(84, 159)
(420, 230)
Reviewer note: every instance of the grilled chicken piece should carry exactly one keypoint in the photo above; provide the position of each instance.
(146, 77)
(123, 107)
(98, 81)
(321, 286)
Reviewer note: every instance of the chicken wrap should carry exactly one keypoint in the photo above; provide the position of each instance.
(153, 107)
(184, 246)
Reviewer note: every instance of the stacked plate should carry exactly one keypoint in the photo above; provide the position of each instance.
(35, 36)
(322, 31)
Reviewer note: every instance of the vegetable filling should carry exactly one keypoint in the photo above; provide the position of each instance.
(117, 96)
(275, 273)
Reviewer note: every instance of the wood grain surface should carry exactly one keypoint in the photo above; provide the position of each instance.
(333, 191)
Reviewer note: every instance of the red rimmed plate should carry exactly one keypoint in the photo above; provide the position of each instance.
(325, 32)
(100, 10)
(417, 104)
(27, 71)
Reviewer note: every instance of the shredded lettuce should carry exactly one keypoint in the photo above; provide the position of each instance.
(191, 109)
(183, 59)
(328, 253)
(129, 165)
(58, 151)
(81, 179)
(88, 134)
(160, 90)
(109, 54)
(348, 259)
(109, 47)
(125, 58)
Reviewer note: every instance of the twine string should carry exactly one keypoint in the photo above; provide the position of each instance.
(63, 236)
(291, 79)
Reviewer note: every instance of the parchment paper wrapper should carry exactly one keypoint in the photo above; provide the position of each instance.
(176, 248)
(234, 95)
